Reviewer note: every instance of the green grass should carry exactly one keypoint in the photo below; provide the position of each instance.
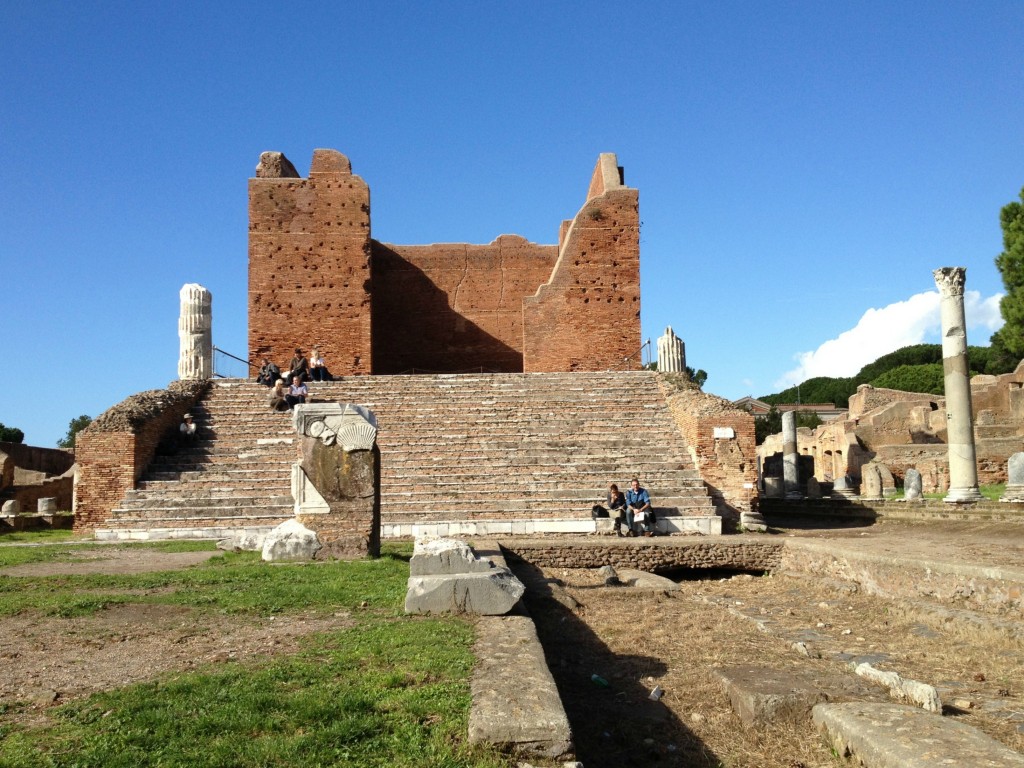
(45, 535)
(231, 583)
(391, 690)
(991, 492)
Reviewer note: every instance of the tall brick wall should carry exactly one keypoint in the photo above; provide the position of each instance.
(309, 264)
(453, 306)
(726, 464)
(116, 448)
(587, 316)
(316, 278)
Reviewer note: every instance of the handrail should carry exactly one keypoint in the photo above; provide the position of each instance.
(646, 345)
(233, 357)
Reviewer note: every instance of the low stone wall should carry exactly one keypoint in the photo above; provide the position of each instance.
(653, 555)
(114, 450)
(783, 512)
(34, 522)
(983, 588)
(49, 461)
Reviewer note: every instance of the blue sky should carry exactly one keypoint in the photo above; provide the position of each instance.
(802, 166)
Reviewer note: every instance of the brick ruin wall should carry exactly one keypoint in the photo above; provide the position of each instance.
(904, 430)
(309, 264)
(115, 449)
(316, 278)
(727, 465)
(462, 304)
(587, 317)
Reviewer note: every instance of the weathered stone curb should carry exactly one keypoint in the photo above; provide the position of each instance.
(447, 576)
(982, 587)
(900, 736)
(515, 701)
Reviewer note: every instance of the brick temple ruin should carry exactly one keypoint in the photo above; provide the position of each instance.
(317, 277)
(555, 408)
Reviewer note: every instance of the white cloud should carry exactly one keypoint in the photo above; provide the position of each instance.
(881, 331)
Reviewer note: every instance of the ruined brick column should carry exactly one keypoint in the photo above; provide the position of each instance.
(790, 457)
(963, 465)
(671, 353)
(195, 332)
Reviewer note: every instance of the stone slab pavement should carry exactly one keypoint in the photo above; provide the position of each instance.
(901, 736)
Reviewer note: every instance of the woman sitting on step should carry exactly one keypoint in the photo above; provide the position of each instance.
(277, 400)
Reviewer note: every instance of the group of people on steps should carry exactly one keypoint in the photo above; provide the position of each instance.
(300, 370)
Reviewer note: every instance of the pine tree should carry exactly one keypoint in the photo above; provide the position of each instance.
(1008, 341)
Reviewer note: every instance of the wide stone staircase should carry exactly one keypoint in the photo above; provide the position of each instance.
(460, 455)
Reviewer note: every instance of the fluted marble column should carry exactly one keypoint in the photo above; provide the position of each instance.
(963, 465)
(671, 353)
(195, 332)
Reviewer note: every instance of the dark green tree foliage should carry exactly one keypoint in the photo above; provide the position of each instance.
(824, 389)
(914, 378)
(769, 424)
(918, 354)
(74, 427)
(1010, 263)
(820, 389)
(698, 377)
(11, 435)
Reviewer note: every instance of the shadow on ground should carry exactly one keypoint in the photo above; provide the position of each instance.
(615, 726)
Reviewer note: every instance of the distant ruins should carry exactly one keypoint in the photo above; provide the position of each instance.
(904, 430)
(317, 277)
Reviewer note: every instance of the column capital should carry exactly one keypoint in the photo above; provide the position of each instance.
(950, 280)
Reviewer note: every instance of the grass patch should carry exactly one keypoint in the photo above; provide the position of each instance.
(392, 690)
(232, 583)
(991, 492)
(43, 536)
(382, 693)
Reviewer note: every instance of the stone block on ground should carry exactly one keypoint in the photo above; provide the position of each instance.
(489, 594)
(12, 507)
(436, 557)
(291, 541)
(243, 542)
(644, 580)
(901, 736)
(762, 695)
(516, 705)
(912, 691)
(46, 506)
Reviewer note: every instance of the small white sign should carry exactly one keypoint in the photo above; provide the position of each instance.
(724, 433)
(748, 486)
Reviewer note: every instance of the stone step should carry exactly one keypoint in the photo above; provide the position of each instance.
(452, 447)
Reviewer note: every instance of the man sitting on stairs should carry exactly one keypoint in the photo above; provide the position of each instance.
(639, 514)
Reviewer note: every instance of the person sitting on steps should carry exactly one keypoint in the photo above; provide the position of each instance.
(297, 392)
(617, 508)
(269, 373)
(187, 430)
(317, 367)
(299, 366)
(277, 397)
(639, 515)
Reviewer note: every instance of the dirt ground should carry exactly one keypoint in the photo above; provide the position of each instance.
(635, 639)
(50, 660)
(638, 639)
